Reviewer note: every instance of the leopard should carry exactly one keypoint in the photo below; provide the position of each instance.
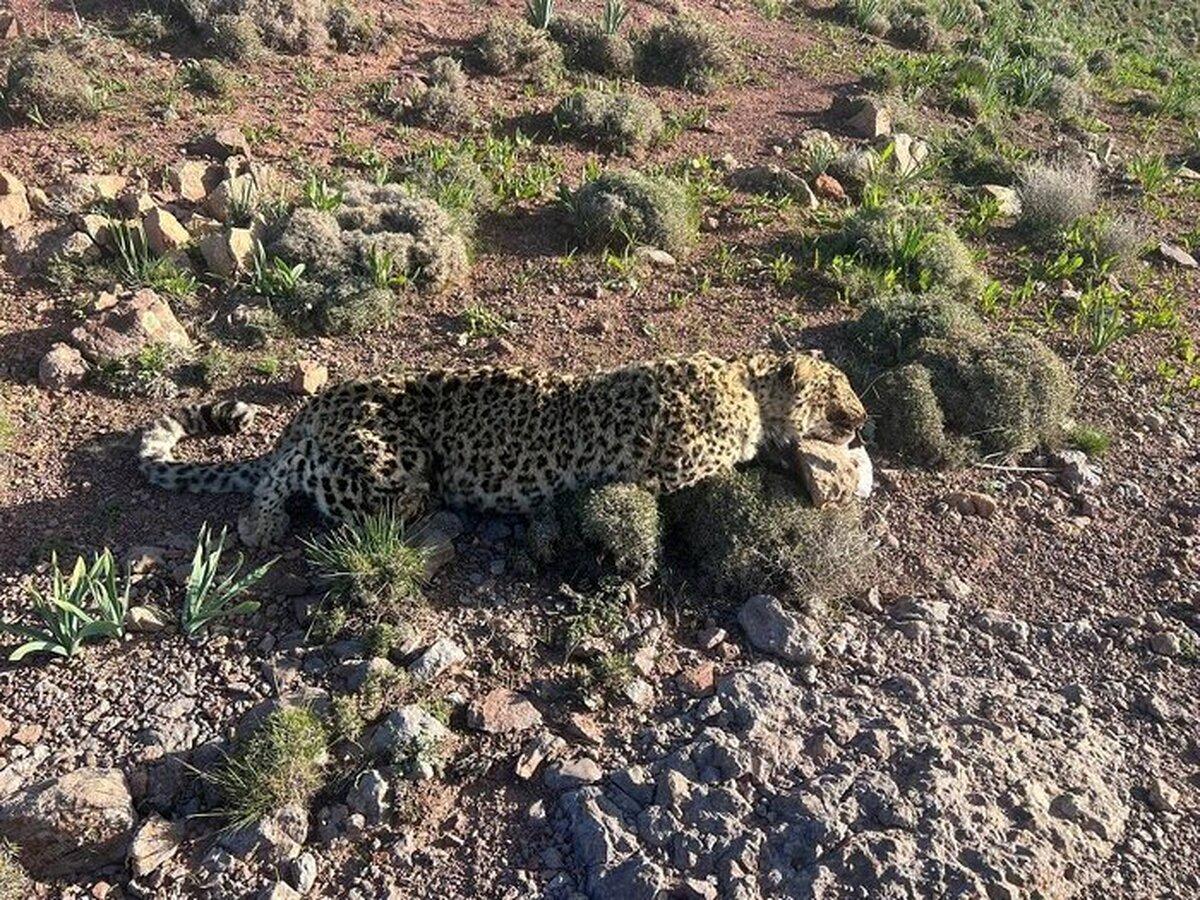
(509, 439)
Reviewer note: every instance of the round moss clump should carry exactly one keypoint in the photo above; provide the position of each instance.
(622, 209)
(507, 46)
(622, 521)
(620, 121)
(750, 532)
(48, 85)
(586, 45)
(686, 52)
(942, 390)
(443, 103)
(914, 243)
(235, 38)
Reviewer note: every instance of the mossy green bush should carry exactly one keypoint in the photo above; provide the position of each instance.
(622, 521)
(749, 532)
(586, 45)
(235, 37)
(915, 244)
(686, 52)
(942, 389)
(621, 209)
(615, 121)
(508, 46)
(380, 239)
(48, 85)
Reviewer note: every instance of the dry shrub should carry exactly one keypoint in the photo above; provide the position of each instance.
(352, 32)
(942, 390)
(750, 532)
(293, 26)
(685, 51)
(621, 209)
(235, 38)
(442, 102)
(507, 46)
(586, 45)
(620, 121)
(622, 521)
(380, 238)
(48, 84)
(1055, 195)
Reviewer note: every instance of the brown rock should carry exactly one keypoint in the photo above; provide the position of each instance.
(135, 202)
(156, 841)
(866, 118)
(829, 471)
(141, 320)
(829, 188)
(78, 191)
(1177, 255)
(14, 201)
(164, 234)
(8, 26)
(70, 825)
(536, 751)
(62, 368)
(502, 711)
(98, 228)
(240, 191)
(226, 253)
(972, 503)
(77, 245)
(697, 680)
(308, 377)
(583, 727)
(222, 143)
(193, 179)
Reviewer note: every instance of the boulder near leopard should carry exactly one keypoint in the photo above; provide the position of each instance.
(508, 439)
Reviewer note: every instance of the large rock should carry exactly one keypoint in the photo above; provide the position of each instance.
(772, 629)
(441, 656)
(134, 323)
(405, 732)
(70, 825)
(239, 193)
(62, 368)
(14, 201)
(164, 234)
(156, 841)
(502, 711)
(193, 179)
(227, 252)
(834, 474)
(864, 117)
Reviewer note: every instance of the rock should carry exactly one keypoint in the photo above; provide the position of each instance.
(368, 796)
(9, 29)
(772, 629)
(222, 144)
(232, 196)
(1008, 201)
(1177, 255)
(637, 878)
(192, 179)
(833, 475)
(441, 656)
(76, 192)
(568, 774)
(164, 234)
(77, 245)
(148, 619)
(697, 680)
(1165, 643)
(638, 691)
(14, 201)
(908, 153)
(227, 252)
(658, 258)
(403, 731)
(829, 188)
(502, 711)
(135, 202)
(302, 872)
(1076, 471)
(71, 825)
(280, 890)
(776, 181)
(274, 839)
(535, 752)
(135, 323)
(62, 368)
(865, 117)
(972, 503)
(98, 228)
(308, 377)
(155, 842)
(1162, 797)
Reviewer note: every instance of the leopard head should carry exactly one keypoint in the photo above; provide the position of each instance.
(801, 397)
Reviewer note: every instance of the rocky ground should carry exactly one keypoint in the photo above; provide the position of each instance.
(1008, 708)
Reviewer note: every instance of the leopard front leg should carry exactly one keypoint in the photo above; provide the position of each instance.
(265, 521)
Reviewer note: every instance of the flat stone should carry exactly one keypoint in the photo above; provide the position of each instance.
(772, 629)
(308, 377)
(440, 657)
(502, 711)
(1177, 255)
(164, 234)
(972, 503)
(155, 842)
(71, 825)
(14, 201)
(135, 323)
(833, 474)
(568, 774)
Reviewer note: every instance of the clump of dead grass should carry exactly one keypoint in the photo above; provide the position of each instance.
(509, 46)
(621, 209)
(48, 85)
(687, 52)
(586, 45)
(1054, 195)
(615, 121)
